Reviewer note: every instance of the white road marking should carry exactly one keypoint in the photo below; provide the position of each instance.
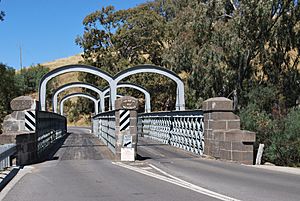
(177, 181)
(146, 168)
(167, 174)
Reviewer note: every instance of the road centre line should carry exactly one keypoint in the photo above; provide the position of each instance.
(177, 181)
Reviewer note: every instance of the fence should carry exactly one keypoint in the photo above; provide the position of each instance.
(182, 129)
(49, 128)
(104, 127)
(7, 152)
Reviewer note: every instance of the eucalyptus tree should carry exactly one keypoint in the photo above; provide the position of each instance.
(114, 40)
(8, 90)
(2, 14)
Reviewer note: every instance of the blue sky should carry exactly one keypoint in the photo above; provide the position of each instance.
(46, 29)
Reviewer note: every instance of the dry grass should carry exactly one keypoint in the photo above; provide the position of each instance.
(75, 59)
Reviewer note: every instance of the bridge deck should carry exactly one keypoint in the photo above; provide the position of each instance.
(81, 145)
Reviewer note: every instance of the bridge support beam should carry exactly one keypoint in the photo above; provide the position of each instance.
(126, 128)
(223, 137)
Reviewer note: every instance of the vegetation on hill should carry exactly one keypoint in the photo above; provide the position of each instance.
(216, 47)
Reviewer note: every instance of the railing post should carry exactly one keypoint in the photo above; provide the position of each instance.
(126, 128)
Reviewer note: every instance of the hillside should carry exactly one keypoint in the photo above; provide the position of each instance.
(65, 78)
(75, 59)
(69, 77)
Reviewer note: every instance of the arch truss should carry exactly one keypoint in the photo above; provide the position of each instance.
(74, 85)
(78, 95)
(113, 81)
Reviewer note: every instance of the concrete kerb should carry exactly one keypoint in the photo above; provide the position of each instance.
(289, 170)
(15, 177)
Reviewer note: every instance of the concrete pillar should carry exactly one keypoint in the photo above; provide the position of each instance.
(126, 128)
(223, 137)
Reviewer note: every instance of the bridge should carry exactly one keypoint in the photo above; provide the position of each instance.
(199, 154)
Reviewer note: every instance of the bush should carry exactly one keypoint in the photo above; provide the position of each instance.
(280, 136)
(284, 148)
(253, 119)
(8, 90)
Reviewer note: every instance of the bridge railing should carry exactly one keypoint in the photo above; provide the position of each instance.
(49, 128)
(104, 127)
(182, 129)
(7, 152)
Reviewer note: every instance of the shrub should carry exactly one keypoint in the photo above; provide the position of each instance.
(284, 148)
(258, 121)
(280, 136)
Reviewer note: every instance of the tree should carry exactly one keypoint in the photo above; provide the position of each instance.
(8, 89)
(114, 40)
(28, 78)
(2, 14)
(223, 46)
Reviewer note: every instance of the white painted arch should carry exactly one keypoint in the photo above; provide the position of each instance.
(137, 87)
(180, 100)
(113, 81)
(74, 85)
(118, 96)
(78, 95)
(73, 68)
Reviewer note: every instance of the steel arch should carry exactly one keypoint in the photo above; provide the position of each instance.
(147, 68)
(74, 85)
(77, 95)
(137, 87)
(73, 68)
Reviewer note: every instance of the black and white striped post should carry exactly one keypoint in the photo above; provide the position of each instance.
(30, 120)
(126, 128)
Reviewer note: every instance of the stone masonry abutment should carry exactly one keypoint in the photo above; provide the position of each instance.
(224, 138)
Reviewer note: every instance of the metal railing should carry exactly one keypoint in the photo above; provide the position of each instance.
(7, 153)
(182, 129)
(50, 127)
(104, 127)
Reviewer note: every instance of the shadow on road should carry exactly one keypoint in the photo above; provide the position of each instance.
(50, 155)
(151, 145)
(142, 158)
(81, 145)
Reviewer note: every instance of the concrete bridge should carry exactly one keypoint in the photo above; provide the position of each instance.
(170, 155)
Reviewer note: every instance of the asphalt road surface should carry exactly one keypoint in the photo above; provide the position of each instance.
(82, 169)
(237, 181)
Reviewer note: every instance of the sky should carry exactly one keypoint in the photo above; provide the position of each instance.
(45, 30)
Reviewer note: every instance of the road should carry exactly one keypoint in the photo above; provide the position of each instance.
(82, 169)
(231, 179)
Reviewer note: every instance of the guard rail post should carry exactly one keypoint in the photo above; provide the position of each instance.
(126, 128)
